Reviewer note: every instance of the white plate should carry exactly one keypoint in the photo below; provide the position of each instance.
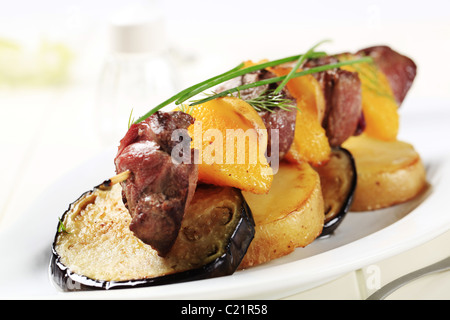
(362, 238)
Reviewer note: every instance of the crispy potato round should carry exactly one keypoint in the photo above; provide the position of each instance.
(290, 215)
(389, 172)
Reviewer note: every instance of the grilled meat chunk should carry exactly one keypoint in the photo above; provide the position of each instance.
(284, 121)
(345, 109)
(159, 188)
(399, 69)
(342, 92)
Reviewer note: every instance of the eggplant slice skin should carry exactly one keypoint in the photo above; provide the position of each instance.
(210, 244)
(338, 179)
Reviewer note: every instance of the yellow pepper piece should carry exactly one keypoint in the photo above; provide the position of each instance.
(310, 141)
(231, 139)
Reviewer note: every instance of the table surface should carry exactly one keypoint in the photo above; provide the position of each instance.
(47, 132)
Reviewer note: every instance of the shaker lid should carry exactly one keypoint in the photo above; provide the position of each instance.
(137, 29)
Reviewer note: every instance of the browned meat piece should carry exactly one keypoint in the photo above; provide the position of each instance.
(342, 92)
(399, 69)
(344, 116)
(279, 119)
(159, 188)
(284, 121)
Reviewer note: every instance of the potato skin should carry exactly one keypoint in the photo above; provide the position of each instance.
(291, 215)
(389, 173)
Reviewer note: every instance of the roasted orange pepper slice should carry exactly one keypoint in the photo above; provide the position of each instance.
(231, 140)
(310, 141)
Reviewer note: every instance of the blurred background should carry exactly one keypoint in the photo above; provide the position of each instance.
(72, 73)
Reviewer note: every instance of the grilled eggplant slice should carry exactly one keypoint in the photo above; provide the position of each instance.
(97, 250)
(338, 180)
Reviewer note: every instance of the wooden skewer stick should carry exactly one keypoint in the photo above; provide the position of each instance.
(107, 184)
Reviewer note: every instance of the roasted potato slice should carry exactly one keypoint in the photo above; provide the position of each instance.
(290, 215)
(389, 172)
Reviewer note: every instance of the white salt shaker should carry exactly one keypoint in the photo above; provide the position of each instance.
(137, 75)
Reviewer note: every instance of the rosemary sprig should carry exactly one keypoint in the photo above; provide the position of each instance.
(277, 79)
(268, 100)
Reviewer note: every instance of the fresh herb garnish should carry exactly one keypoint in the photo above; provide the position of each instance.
(207, 84)
(186, 108)
(184, 95)
(268, 100)
(302, 58)
(62, 227)
(236, 73)
(130, 119)
(185, 91)
(265, 101)
(277, 79)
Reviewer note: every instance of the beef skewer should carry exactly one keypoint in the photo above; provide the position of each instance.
(107, 184)
(158, 189)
